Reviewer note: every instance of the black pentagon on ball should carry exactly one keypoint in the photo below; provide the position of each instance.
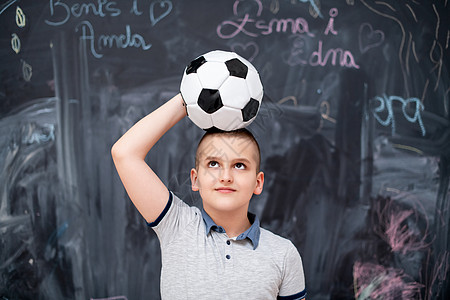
(195, 64)
(237, 68)
(250, 110)
(209, 100)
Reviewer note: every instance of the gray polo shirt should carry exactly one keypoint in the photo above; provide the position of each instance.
(199, 260)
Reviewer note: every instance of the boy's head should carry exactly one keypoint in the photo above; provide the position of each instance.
(236, 136)
(227, 171)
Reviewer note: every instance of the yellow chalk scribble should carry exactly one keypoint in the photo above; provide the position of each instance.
(20, 17)
(15, 43)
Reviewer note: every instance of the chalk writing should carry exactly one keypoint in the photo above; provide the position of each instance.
(332, 56)
(61, 12)
(15, 43)
(65, 11)
(386, 104)
(134, 9)
(229, 29)
(20, 17)
(330, 26)
(27, 71)
(254, 27)
(319, 57)
(298, 28)
(108, 41)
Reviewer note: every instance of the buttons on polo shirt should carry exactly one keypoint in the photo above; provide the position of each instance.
(228, 256)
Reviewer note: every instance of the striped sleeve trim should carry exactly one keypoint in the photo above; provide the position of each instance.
(297, 296)
(163, 213)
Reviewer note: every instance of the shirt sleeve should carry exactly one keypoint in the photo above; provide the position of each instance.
(176, 216)
(293, 284)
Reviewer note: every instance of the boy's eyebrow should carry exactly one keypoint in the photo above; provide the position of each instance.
(212, 158)
(243, 159)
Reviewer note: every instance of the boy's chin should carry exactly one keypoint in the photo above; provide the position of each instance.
(225, 205)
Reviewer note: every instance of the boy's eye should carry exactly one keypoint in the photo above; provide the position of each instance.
(213, 164)
(240, 166)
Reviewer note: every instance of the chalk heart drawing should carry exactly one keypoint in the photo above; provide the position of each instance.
(369, 38)
(249, 50)
(159, 10)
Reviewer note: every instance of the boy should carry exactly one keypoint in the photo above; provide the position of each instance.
(219, 252)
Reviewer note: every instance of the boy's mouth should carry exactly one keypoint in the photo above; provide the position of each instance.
(225, 190)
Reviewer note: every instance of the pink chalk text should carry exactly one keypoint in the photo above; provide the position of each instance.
(253, 25)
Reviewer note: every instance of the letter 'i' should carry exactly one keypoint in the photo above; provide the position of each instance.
(330, 26)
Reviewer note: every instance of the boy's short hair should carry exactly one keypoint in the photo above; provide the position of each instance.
(242, 132)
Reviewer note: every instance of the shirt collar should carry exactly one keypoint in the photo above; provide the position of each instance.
(252, 233)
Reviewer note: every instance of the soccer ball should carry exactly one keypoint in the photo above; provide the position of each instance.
(221, 90)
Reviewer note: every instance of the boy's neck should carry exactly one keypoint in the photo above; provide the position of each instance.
(234, 223)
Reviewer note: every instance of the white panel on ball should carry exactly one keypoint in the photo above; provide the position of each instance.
(234, 92)
(254, 85)
(219, 56)
(227, 118)
(199, 117)
(212, 74)
(190, 88)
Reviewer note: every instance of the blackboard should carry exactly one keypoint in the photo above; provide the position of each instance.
(354, 130)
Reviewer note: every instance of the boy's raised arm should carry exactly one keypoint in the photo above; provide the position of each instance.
(145, 189)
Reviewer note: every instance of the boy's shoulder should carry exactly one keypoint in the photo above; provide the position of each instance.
(271, 239)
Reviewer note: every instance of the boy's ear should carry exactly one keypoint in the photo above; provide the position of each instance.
(259, 183)
(194, 176)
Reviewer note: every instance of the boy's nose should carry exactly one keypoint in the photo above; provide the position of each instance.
(225, 176)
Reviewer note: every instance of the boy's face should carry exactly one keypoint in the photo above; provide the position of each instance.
(227, 176)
